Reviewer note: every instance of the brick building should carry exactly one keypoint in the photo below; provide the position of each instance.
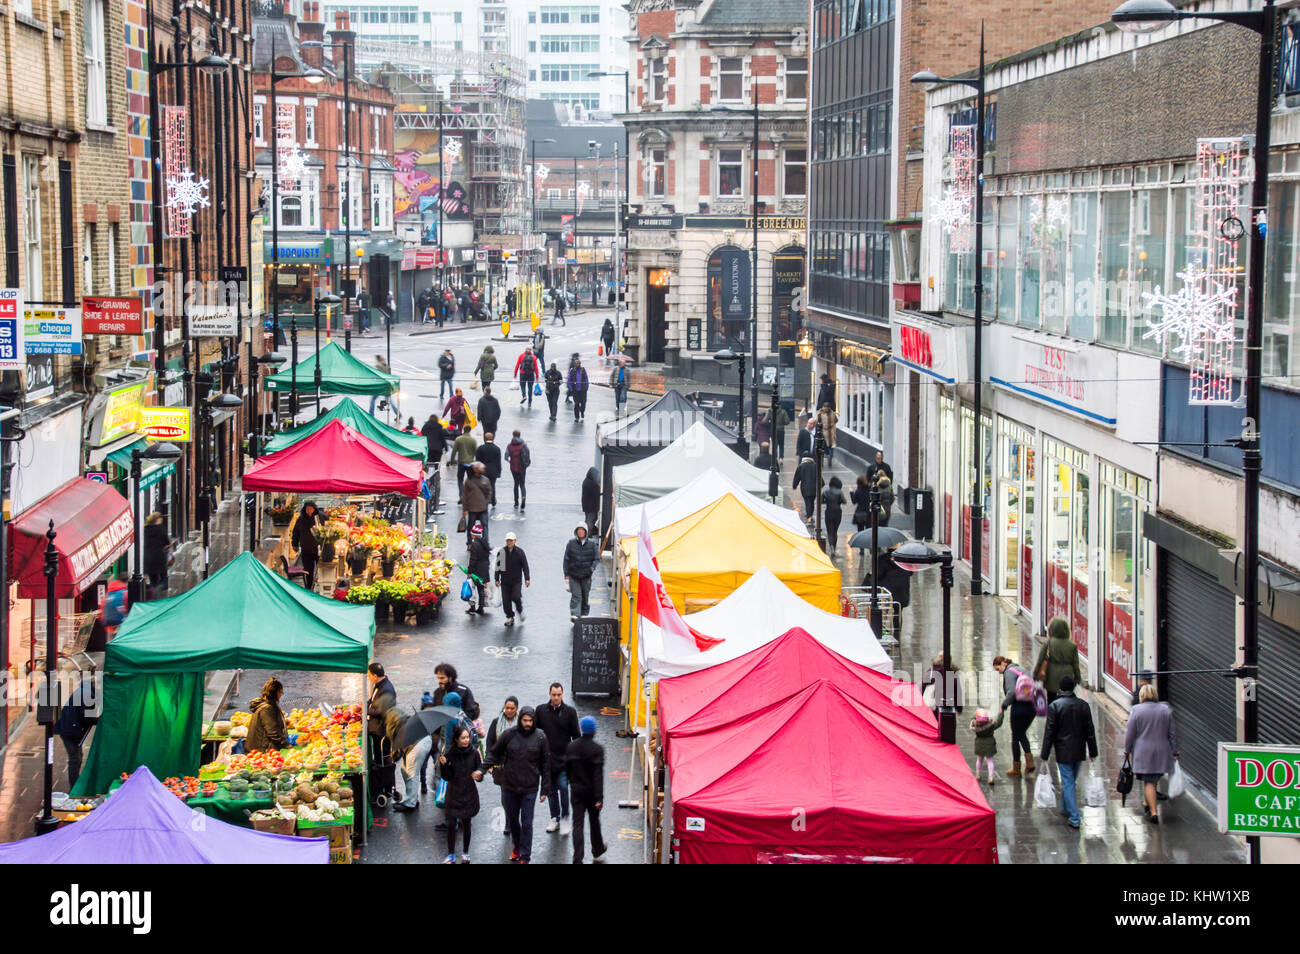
(336, 221)
(698, 68)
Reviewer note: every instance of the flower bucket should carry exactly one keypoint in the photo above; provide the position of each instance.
(327, 553)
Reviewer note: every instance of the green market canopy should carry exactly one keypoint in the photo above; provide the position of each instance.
(364, 423)
(242, 617)
(340, 373)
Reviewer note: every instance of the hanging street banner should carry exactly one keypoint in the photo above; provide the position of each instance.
(12, 352)
(52, 330)
(207, 320)
(175, 160)
(112, 316)
(1258, 792)
(735, 284)
(165, 424)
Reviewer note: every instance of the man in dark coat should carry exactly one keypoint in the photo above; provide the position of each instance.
(480, 566)
(156, 544)
(512, 576)
(488, 410)
(580, 557)
(803, 445)
(776, 429)
(75, 720)
(304, 541)
(525, 757)
(584, 764)
(435, 435)
(449, 681)
(578, 385)
(559, 721)
(383, 696)
(805, 481)
(446, 371)
(591, 500)
(554, 379)
(1069, 732)
(826, 393)
(763, 460)
(476, 497)
(489, 455)
(520, 459)
(877, 468)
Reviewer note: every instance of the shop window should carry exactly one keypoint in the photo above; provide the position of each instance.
(1082, 293)
(1115, 272)
(1008, 257)
(1125, 556)
(1031, 231)
(1066, 560)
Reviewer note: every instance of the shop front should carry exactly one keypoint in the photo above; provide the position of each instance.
(1017, 492)
(300, 261)
(1124, 576)
(1065, 535)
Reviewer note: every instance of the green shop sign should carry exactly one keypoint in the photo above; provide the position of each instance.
(1259, 789)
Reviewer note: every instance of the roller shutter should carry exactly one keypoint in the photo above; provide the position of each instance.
(1279, 675)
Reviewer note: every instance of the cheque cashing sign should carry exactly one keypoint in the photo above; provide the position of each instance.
(165, 423)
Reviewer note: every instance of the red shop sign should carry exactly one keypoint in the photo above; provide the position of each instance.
(1027, 577)
(112, 316)
(1119, 644)
(1079, 616)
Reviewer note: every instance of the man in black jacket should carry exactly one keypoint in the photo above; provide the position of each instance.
(512, 576)
(584, 763)
(877, 468)
(448, 681)
(383, 697)
(446, 371)
(489, 454)
(591, 500)
(1069, 731)
(75, 720)
(436, 436)
(580, 556)
(488, 410)
(826, 393)
(525, 757)
(559, 721)
(803, 445)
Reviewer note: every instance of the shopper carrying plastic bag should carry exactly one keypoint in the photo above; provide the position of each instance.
(1094, 790)
(1177, 781)
(1045, 791)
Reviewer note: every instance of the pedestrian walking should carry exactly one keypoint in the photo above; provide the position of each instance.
(422, 306)
(828, 419)
(826, 392)
(777, 421)
(449, 682)
(456, 410)
(489, 455)
(1058, 658)
(1069, 733)
(507, 719)
(578, 384)
(940, 679)
(580, 556)
(861, 497)
(524, 757)
(446, 372)
(584, 764)
(488, 410)
(462, 304)
(78, 715)
(763, 459)
(554, 379)
(266, 729)
(435, 437)
(479, 567)
(304, 541)
(381, 365)
(528, 371)
(986, 742)
(560, 306)
(574, 359)
(805, 481)
(885, 488)
(476, 498)
(461, 767)
(520, 459)
(559, 721)
(363, 310)
(512, 576)
(591, 500)
(898, 582)
(1018, 697)
(539, 347)
(1151, 741)
(510, 303)
(463, 452)
(878, 467)
(607, 337)
(486, 369)
(833, 503)
(157, 551)
(618, 380)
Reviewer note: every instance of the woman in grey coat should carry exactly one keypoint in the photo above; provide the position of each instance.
(1152, 743)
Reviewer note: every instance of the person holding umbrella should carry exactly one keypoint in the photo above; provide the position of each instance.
(460, 767)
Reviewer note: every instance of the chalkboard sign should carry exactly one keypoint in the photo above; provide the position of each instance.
(595, 656)
(396, 509)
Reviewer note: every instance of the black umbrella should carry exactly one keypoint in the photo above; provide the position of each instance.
(424, 723)
(886, 537)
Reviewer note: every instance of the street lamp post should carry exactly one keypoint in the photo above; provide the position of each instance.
(819, 448)
(913, 557)
(164, 451)
(1145, 16)
(52, 697)
(727, 356)
(873, 501)
(977, 497)
(774, 477)
(627, 96)
(293, 369)
(345, 183)
(327, 300)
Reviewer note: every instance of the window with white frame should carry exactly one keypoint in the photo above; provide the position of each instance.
(110, 258)
(794, 172)
(381, 202)
(88, 260)
(300, 207)
(35, 289)
(658, 172)
(796, 77)
(23, 7)
(731, 79)
(657, 68)
(376, 141)
(552, 194)
(309, 125)
(351, 198)
(259, 114)
(92, 26)
(731, 172)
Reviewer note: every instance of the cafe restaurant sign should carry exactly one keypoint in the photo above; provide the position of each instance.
(1259, 789)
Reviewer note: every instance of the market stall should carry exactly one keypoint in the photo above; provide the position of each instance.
(145, 823)
(341, 373)
(639, 435)
(701, 489)
(360, 420)
(336, 459)
(242, 617)
(696, 450)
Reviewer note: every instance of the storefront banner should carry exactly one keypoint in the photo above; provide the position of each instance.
(1119, 644)
(1058, 592)
(735, 284)
(172, 424)
(940, 351)
(965, 532)
(207, 320)
(1076, 377)
(1027, 577)
(112, 316)
(12, 351)
(52, 330)
(1079, 615)
(122, 413)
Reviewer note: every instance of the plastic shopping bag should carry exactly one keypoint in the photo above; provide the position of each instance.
(1044, 790)
(1094, 790)
(1177, 783)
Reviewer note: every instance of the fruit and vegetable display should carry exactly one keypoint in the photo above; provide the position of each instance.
(318, 801)
(325, 743)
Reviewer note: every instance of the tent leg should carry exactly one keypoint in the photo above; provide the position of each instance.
(629, 802)
(243, 516)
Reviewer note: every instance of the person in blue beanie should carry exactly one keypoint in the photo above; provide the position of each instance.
(584, 763)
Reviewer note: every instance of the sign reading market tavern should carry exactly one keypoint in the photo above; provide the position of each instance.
(1259, 789)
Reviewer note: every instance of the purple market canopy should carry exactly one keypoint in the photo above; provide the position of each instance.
(144, 824)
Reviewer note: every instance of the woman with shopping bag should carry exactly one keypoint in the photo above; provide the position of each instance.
(1152, 742)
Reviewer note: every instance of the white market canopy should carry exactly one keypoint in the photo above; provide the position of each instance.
(758, 611)
(693, 497)
(695, 451)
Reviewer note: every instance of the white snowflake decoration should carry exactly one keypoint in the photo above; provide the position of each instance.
(186, 194)
(293, 166)
(1195, 313)
(952, 212)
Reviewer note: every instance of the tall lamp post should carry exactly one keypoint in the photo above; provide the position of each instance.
(48, 713)
(976, 82)
(774, 476)
(329, 300)
(727, 356)
(914, 556)
(135, 591)
(1146, 16)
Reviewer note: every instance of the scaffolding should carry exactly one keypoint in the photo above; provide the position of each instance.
(482, 97)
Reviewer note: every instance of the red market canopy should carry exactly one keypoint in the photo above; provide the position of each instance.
(861, 789)
(336, 460)
(92, 527)
(704, 700)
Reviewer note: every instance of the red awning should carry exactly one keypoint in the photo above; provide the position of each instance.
(336, 460)
(92, 527)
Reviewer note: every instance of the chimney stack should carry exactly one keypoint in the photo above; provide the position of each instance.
(311, 29)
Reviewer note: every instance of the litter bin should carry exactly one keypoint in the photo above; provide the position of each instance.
(923, 513)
